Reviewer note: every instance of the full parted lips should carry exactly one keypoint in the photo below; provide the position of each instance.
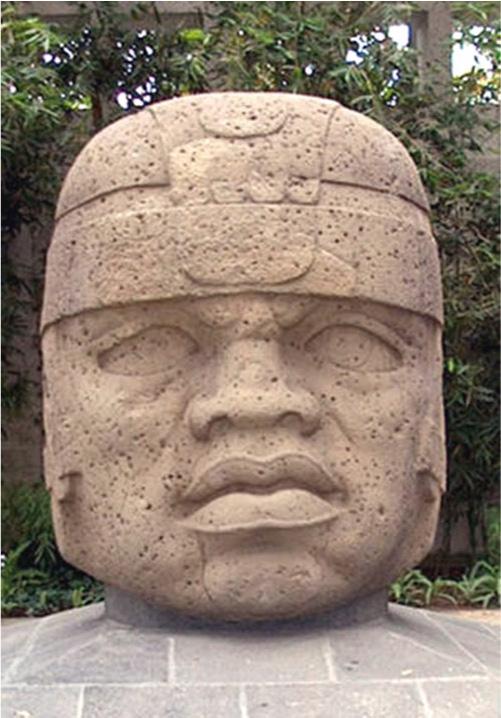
(243, 494)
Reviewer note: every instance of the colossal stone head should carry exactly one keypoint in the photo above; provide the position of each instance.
(241, 338)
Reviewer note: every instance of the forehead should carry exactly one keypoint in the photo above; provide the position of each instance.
(220, 311)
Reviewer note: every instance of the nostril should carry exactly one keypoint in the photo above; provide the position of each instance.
(310, 424)
(293, 421)
(200, 420)
(219, 426)
(305, 415)
(206, 419)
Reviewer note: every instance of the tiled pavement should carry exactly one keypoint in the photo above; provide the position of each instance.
(411, 664)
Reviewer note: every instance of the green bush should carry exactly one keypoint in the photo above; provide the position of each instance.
(35, 578)
(479, 586)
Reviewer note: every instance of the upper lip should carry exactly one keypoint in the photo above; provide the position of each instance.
(260, 476)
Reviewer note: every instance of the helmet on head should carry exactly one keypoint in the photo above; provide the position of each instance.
(231, 192)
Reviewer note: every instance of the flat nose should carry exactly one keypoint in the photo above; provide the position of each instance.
(253, 391)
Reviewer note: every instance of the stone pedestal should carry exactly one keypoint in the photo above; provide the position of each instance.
(407, 663)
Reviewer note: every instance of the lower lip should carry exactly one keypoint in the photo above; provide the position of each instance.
(236, 512)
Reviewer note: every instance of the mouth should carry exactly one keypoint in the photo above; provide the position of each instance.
(291, 491)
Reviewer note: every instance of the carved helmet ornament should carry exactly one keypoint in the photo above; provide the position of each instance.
(241, 336)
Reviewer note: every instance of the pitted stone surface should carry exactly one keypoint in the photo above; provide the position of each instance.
(242, 361)
(226, 161)
(411, 663)
(191, 444)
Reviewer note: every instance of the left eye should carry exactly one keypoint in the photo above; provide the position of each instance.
(156, 349)
(355, 349)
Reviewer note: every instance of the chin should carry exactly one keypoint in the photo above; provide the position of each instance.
(271, 585)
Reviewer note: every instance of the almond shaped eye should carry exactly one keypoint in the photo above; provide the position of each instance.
(151, 351)
(353, 348)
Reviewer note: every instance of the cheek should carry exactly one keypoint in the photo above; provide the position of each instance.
(369, 409)
(133, 454)
(369, 428)
(127, 418)
(379, 480)
(134, 457)
(138, 549)
(373, 524)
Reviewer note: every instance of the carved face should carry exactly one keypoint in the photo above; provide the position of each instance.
(247, 456)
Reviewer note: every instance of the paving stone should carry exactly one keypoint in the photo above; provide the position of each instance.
(493, 629)
(477, 640)
(86, 648)
(161, 702)
(250, 659)
(14, 642)
(335, 701)
(465, 699)
(40, 702)
(489, 618)
(364, 671)
(405, 645)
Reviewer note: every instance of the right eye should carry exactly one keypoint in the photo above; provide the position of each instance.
(151, 351)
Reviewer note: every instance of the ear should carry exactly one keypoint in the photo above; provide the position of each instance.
(429, 484)
(430, 461)
(60, 483)
(49, 467)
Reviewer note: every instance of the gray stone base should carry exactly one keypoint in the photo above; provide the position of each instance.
(131, 610)
(408, 663)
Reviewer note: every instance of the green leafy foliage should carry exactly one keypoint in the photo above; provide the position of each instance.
(107, 58)
(479, 587)
(302, 48)
(33, 112)
(35, 578)
(416, 589)
(493, 540)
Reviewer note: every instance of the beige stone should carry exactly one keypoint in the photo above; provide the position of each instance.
(241, 337)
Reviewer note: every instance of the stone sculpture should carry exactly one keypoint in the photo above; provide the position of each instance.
(241, 339)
